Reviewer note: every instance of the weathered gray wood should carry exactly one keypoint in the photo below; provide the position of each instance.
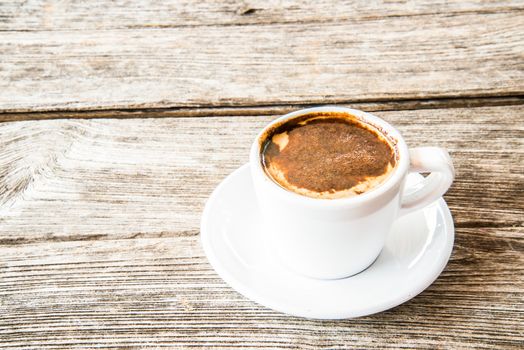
(99, 241)
(162, 292)
(99, 219)
(416, 52)
(34, 15)
(110, 178)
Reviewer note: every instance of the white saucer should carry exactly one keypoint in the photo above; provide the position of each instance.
(416, 252)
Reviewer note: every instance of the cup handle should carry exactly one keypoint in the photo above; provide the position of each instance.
(435, 160)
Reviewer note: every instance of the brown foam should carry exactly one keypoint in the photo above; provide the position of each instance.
(327, 155)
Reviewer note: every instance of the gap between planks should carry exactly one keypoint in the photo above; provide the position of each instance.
(246, 110)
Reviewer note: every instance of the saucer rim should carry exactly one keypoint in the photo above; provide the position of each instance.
(259, 298)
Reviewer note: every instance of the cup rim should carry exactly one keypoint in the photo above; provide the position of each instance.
(395, 178)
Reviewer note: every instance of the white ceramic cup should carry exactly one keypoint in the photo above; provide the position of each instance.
(337, 238)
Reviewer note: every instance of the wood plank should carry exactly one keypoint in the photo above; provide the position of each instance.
(162, 292)
(34, 15)
(437, 55)
(110, 178)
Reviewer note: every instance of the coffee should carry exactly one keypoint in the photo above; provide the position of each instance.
(327, 155)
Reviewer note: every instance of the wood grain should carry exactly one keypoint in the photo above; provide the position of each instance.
(111, 179)
(474, 50)
(48, 15)
(99, 245)
(99, 218)
(161, 292)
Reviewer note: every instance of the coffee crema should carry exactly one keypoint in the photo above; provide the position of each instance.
(327, 155)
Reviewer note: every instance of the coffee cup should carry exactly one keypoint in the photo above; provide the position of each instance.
(337, 236)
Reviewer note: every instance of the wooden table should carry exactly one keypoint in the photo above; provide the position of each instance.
(119, 119)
